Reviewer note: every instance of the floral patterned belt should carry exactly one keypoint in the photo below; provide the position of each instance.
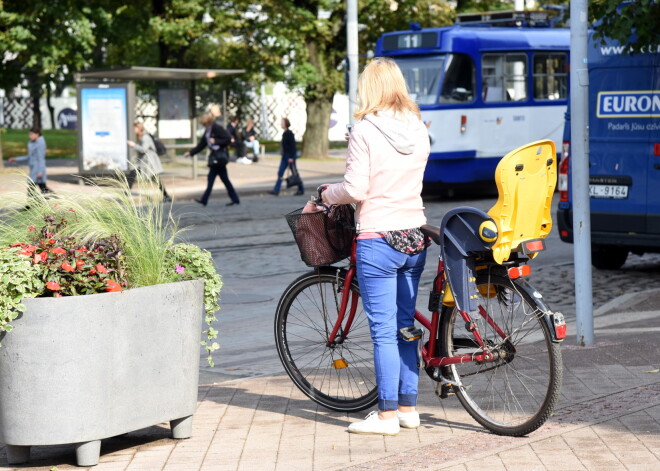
(408, 241)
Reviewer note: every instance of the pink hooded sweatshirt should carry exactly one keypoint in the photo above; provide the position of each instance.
(385, 165)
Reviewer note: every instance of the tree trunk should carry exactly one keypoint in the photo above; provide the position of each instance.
(2, 162)
(315, 139)
(51, 110)
(35, 95)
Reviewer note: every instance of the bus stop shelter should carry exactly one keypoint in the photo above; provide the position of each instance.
(106, 112)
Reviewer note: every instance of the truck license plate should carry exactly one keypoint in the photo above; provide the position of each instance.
(608, 191)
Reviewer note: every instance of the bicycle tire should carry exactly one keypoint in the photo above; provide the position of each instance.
(516, 393)
(306, 313)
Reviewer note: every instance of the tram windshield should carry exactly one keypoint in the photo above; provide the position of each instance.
(422, 75)
(443, 79)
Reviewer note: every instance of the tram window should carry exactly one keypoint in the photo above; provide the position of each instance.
(458, 85)
(422, 77)
(504, 77)
(550, 76)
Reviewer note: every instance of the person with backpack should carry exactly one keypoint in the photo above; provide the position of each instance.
(148, 162)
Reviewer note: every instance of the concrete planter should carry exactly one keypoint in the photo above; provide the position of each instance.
(82, 368)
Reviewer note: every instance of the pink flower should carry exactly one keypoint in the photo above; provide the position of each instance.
(53, 285)
(179, 269)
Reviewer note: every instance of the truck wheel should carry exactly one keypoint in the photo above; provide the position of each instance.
(607, 257)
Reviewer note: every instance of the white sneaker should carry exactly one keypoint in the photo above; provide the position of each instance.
(243, 160)
(408, 419)
(375, 426)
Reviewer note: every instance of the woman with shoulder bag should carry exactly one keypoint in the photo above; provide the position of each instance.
(387, 152)
(216, 138)
(148, 162)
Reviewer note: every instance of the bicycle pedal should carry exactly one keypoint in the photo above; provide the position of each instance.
(410, 334)
(444, 390)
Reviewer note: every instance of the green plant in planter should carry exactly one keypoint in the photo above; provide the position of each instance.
(106, 240)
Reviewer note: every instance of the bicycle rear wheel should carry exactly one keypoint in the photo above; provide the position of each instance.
(515, 393)
(339, 376)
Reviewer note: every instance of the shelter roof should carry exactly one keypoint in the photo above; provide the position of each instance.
(156, 73)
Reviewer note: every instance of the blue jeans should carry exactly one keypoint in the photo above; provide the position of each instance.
(284, 163)
(219, 171)
(388, 284)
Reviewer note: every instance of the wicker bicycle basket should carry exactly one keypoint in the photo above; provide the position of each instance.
(324, 237)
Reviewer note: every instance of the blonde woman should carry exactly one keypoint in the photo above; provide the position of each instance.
(148, 162)
(216, 138)
(387, 152)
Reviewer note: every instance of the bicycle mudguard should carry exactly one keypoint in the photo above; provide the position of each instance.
(466, 232)
(551, 319)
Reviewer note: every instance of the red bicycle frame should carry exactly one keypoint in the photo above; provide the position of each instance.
(432, 325)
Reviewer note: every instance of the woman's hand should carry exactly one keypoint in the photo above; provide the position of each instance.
(212, 140)
(130, 143)
(290, 161)
(187, 154)
(40, 175)
(11, 160)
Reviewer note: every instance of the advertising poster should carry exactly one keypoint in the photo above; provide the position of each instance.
(104, 129)
(174, 114)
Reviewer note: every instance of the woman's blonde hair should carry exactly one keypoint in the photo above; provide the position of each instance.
(381, 86)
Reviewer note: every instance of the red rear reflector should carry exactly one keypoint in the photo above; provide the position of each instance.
(517, 272)
(563, 233)
(560, 330)
(534, 246)
(656, 148)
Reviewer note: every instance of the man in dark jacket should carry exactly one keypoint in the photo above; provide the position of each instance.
(289, 155)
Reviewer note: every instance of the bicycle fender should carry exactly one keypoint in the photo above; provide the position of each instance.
(548, 316)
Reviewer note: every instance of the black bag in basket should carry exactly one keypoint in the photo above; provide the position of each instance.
(323, 237)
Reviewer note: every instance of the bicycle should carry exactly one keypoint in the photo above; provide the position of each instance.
(491, 340)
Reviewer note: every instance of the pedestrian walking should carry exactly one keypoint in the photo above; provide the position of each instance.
(36, 160)
(289, 156)
(148, 162)
(216, 138)
(387, 152)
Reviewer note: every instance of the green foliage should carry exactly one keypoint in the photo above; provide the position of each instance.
(189, 262)
(18, 280)
(617, 20)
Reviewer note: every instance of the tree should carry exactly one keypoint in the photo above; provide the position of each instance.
(44, 42)
(616, 20)
(304, 43)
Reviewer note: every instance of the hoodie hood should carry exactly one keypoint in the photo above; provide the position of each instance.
(400, 129)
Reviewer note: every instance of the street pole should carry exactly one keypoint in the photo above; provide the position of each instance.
(580, 173)
(352, 53)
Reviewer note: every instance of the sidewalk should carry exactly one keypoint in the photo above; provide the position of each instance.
(247, 179)
(608, 419)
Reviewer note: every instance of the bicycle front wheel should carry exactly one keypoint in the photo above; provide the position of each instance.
(515, 393)
(339, 376)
